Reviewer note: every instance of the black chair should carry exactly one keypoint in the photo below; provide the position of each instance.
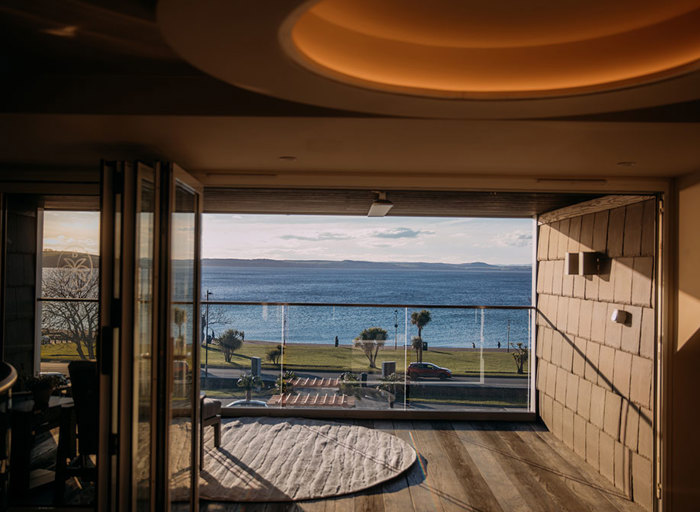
(8, 377)
(84, 378)
(211, 415)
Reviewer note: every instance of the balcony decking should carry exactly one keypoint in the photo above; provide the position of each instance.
(473, 466)
(312, 400)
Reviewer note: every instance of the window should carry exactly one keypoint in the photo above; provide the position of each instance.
(67, 304)
(366, 313)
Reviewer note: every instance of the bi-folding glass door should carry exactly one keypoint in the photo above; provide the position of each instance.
(149, 338)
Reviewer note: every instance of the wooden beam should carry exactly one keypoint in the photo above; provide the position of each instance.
(594, 205)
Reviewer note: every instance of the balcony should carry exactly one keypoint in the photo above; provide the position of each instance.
(367, 360)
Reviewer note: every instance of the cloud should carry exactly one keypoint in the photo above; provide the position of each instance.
(400, 233)
(515, 239)
(317, 238)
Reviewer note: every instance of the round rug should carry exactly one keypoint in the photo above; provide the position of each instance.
(290, 459)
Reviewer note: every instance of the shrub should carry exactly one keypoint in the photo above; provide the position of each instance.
(231, 341)
(393, 386)
(349, 384)
(520, 356)
(274, 355)
(283, 385)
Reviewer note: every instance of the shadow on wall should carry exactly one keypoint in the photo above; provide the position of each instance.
(602, 377)
(595, 375)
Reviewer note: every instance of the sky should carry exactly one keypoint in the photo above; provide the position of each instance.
(308, 237)
(424, 239)
(72, 231)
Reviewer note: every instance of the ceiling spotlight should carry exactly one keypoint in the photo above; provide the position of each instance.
(381, 206)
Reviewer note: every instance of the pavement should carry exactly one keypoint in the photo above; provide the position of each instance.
(494, 382)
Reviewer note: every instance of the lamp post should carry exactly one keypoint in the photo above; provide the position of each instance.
(508, 337)
(206, 341)
(396, 328)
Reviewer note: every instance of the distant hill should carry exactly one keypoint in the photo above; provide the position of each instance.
(53, 259)
(354, 264)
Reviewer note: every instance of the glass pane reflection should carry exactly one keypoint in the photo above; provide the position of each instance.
(183, 339)
(143, 344)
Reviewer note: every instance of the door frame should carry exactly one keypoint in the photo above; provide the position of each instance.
(119, 204)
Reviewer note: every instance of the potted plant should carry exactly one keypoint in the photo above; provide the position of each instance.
(249, 382)
(349, 385)
(393, 386)
(41, 386)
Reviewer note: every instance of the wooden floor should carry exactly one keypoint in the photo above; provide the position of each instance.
(473, 466)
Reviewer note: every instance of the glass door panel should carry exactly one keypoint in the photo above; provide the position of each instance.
(184, 339)
(149, 328)
(144, 243)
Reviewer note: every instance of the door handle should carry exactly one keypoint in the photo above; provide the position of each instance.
(106, 349)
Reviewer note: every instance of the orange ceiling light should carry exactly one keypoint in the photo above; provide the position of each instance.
(506, 49)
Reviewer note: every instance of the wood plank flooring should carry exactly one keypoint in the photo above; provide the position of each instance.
(472, 466)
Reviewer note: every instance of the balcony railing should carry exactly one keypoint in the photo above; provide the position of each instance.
(366, 357)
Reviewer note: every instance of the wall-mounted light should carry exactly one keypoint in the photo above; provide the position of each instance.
(583, 263)
(589, 263)
(620, 316)
(381, 206)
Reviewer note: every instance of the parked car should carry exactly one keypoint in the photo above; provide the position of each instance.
(427, 370)
(247, 403)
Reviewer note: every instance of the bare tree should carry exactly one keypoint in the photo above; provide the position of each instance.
(74, 321)
(216, 320)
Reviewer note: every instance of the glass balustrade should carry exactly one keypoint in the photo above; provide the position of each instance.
(367, 357)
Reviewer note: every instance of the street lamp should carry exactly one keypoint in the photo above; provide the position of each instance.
(396, 328)
(206, 341)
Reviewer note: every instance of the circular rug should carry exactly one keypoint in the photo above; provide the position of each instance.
(289, 459)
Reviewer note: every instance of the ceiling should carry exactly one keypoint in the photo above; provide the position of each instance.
(453, 47)
(85, 79)
(406, 202)
(449, 58)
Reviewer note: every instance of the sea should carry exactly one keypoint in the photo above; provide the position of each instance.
(386, 299)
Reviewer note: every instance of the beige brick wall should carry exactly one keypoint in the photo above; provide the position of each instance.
(595, 377)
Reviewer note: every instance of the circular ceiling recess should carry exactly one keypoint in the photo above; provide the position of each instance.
(447, 58)
(461, 48)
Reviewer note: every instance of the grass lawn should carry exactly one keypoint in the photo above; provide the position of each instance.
(346, 358)
(59, 352)
(336, 359)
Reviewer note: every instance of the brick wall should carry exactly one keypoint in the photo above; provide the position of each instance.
(595, 377)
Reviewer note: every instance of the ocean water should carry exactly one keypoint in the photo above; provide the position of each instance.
(449, 327)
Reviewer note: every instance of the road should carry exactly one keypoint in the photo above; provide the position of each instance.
(494, 382)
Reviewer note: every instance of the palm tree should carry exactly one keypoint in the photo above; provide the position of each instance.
(417, 345)
(370, 341)
(248, 382)
(420, 319)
